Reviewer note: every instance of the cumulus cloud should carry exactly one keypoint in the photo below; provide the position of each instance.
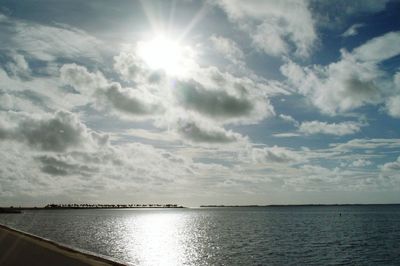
(137, 102)
(26, 90)
(361, 163)
(354, 81)
(392, 166)
(276, 27)
(80, 78)
(217, 95)
(275, 154)
(131, 101)
(89, 174)
(202, 132)
(61, 165)
(207, 93)
(145, 102)
(59, 132)
(393, 106)
(228, 48)
(353, 30)
(338, 129)
(214, 103)
(226, 98)
(130, 66)
(393, 103)
(131, 160)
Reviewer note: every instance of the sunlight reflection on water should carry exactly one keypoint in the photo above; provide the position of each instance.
(157, 239)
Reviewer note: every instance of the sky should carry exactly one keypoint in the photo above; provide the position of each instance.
(199, 102)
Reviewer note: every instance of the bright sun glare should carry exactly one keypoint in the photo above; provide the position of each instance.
(163, 53)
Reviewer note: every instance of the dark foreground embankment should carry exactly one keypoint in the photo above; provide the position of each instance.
(18, 248)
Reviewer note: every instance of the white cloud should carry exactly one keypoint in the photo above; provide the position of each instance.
(393, 102)
(81, 79)
(47, 43)
(22, 90)
(393, 106)
(135, 102)
(379, 48)
(275, 26)
(286, 135)
(188, 118)
(361, 163)
(353, 30)
(130, 66)
(392, 166)
(366, 144)
(18, 66)
(228, 48)
(275, 154)
(354, 81)
(86, 175)
(207, 94)
(390, 174)
(338, 129)
(217, 95)
(289, 119)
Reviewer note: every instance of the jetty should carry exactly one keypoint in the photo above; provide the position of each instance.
(19, 248)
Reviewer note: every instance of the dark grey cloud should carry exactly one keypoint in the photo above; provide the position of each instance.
(214, 103)
(55, 133)
(201, 132)
(131, 101)
(219, 96)
(103, 94)
(57, 165)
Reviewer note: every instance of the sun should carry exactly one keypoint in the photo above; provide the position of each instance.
(162, 53)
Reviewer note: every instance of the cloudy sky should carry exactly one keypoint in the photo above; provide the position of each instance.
(199, 102)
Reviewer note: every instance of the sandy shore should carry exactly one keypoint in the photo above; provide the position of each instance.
(18, 248)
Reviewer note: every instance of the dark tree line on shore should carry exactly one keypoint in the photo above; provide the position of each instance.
(108, 206)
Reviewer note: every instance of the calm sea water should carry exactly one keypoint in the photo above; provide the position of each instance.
(361, 235)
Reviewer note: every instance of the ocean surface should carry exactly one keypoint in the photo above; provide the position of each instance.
(317, 235)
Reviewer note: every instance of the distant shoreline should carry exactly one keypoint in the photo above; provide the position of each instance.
(298, 205)
(18, 209)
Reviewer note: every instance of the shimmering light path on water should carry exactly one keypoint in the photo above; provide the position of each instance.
(368, 235)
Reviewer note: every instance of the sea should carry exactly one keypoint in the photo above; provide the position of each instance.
(287, 235)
